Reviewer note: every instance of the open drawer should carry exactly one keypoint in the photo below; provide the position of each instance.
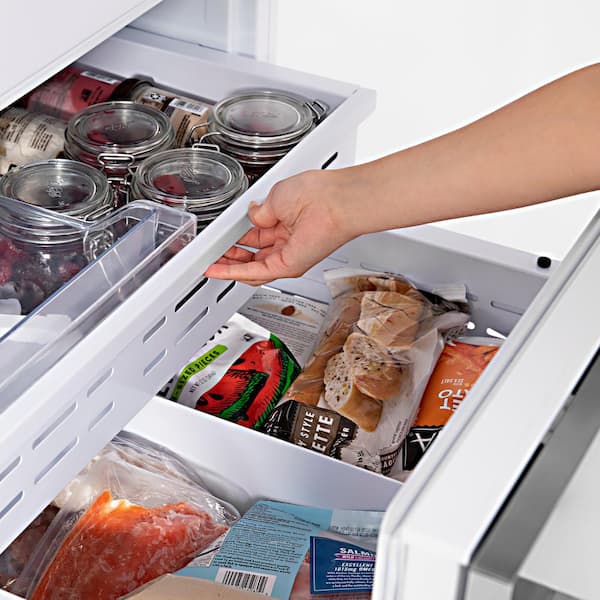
(92, 391)
(501, 284)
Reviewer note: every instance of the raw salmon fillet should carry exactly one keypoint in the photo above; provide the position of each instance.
(116, 546)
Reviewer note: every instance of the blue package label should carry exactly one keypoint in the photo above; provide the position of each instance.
(339, 567)
(264, 550)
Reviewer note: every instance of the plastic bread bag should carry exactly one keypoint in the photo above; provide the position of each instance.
(458, 368)
(240, 374)
(294, 552)
(360, 391)
(125, 526)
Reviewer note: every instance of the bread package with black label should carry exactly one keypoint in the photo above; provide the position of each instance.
(360, 391)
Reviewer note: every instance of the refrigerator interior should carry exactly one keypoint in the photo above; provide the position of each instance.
(130, 354)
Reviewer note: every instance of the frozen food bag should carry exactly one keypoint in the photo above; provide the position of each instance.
(138, 523)
(360, 391)
(138, 452)
(15, 557)
(288, 551)
(461, 363)
(295, 320)
(239, 374)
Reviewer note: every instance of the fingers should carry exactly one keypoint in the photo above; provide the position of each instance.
(239, 254)
(254, 273)
(263, 215)
(259, 238)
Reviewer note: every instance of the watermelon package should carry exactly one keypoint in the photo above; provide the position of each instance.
(240, 374)
(128, 519)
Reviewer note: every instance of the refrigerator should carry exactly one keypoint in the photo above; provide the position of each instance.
(506, 491)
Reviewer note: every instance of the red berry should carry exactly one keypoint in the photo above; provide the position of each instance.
(68, 270)
(5, 270)
(9, 251)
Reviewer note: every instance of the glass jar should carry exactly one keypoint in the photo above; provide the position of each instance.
(27, 137)
(259, 127)
(115, 137)
(38, 254)
(72, 90)
(188, 116)
(201, 180)
(65, 186)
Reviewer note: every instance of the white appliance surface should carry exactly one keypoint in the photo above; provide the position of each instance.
(563, 557)
(38, 39)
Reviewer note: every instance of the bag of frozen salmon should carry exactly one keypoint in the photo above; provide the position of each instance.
(359, 392)
(239, 374)
(122, 524)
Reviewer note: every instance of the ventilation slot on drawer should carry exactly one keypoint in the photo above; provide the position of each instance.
(100, 382)
(226, 291)
(11, 505)
(515, 310)
(154, 329)
(191, 326)
(191, 293)
(53, 426)
(154, 362)
(328, 162)
(13, 465)
(52, 464)
(101, 415)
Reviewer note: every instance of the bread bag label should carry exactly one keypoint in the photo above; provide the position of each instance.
(311, 427)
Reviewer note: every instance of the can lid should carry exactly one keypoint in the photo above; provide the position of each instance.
(65, 186)
(197, 179)
(118, 127)
(264, 117)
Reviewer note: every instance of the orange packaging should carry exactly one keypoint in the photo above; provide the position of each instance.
(458, 368)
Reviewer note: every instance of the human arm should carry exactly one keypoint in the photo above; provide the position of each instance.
(545, 145)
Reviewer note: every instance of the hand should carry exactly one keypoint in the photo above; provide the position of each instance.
(300, 223)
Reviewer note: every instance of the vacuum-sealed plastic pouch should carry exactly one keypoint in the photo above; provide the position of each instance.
(360, 391)
(123, 524)
(458, 368)
(294, 552)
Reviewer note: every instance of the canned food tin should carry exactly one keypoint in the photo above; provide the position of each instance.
(71, 90)
(28, 137)
(187, 115)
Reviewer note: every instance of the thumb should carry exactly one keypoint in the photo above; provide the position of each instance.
(262, 214)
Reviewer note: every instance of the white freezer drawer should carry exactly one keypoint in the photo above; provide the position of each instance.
(64, 417)
(501, 283)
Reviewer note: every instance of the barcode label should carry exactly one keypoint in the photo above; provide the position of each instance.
(100, 77)
(247, 580)
(197, 109)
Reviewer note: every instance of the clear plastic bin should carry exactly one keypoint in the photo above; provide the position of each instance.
(119, 253)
